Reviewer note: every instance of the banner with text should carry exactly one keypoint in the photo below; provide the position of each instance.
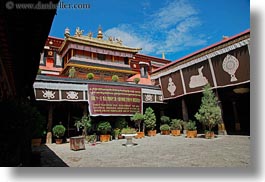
(109, 100)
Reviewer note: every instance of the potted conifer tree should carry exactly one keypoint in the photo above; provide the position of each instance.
(209, 113)
(150, 121)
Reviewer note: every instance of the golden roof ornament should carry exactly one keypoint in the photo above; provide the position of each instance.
(100, 34)
(119, 41)
(78, 32)
(90, 34)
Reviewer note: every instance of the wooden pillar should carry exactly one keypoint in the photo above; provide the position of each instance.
(237, 123)
(85, 109)
(49, 125)
(221, 126)
(185, 114)
(68, 120)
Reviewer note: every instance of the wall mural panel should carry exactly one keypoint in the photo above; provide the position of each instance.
(233, 67)
(172, 86)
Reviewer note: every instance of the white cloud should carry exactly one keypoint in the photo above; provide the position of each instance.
(173, 13)
(170, 29)
(131, 39)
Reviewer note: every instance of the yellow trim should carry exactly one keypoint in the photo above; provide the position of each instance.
(100, 68)
(100, 43)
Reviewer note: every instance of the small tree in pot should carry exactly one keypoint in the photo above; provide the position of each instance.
(209, 113)
(176, 126)
(115, 78)
(58, 131)
(191, 129)
(104, 128)
(136, 80)
(90, 76)
(164, 128)
(150, 121)
(84, 123)
(138, 118)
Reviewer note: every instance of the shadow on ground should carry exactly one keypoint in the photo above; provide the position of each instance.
(42, 156)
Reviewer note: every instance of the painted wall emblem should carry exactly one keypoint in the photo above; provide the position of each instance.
(72, 95)
(171, 86)
(48, 94)
(160, 98)
(148, 97)
(198, 80)
(230, 65)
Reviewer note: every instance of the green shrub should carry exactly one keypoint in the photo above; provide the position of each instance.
(128, 131)
(191, 125)
(149, 118)
(136, 80)
(209, 113)
(84, 123)
(165, 119)
(164, 127)
(115, 78)
(90, 76)
(176, 124)
(138, 118)
(58, 131)
(104, 127)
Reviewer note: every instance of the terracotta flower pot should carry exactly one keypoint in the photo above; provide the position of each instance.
(140, 135)
(209, 134)
(165, 132)
(104, 138)
(151, 133)
(191, 134)
(58, 140)
(175, 132)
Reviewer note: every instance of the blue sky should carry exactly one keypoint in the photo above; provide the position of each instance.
(176, 27)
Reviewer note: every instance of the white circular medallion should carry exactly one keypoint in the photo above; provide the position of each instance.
(230, 65)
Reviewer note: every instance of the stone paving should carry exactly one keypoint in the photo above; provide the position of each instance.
(158, 151)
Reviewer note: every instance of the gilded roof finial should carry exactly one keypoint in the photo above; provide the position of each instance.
(90, 35)
(100, 34)
(78, 32)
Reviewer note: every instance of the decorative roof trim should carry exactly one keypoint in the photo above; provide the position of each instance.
(99, 43)
(207, 50)
(100, 68)
(169, 70)
(60, 86)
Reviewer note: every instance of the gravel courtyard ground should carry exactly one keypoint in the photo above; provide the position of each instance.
(158, 151)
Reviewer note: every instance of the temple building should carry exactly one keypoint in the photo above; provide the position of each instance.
(82, 74)
(226, 67)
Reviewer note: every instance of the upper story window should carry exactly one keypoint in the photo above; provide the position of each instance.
(126, 60)
(101, 56)
(144, 69)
